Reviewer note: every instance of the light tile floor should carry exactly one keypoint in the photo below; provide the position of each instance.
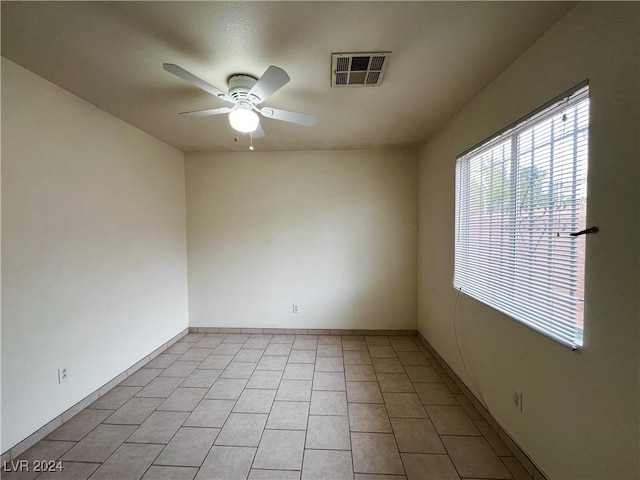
(237, 406)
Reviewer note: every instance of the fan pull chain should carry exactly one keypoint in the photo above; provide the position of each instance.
(251, 141)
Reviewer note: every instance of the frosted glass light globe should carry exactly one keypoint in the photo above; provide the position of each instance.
(244, 120)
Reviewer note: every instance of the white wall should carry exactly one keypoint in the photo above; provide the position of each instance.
(93, 249)
(580, 417)
(335, 232)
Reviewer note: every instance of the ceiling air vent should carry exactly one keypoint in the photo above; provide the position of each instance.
(358, 69)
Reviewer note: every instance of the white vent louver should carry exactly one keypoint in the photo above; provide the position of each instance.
(358, 69)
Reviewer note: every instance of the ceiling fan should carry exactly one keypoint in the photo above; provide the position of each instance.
(245, 93)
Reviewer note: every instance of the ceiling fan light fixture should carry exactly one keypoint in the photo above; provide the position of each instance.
(244, 120)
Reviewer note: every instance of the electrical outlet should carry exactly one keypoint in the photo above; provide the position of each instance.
(63, 374)
(517, 400)
(295, 308)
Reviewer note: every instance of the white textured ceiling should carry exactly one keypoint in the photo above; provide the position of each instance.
(111, 54)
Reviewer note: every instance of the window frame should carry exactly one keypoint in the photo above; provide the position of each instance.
(511, 134)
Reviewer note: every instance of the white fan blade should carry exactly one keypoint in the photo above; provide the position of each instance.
(259, 132)
(195, 81)
(287, 116)
(270, 82)
(206, 113)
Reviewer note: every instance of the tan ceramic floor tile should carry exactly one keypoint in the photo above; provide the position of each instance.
(286, 339)
(128, 462)
(180, 369)
(201, 378)
(216, 362)
(298, 371)
(422, 373)
(170, 473)
(81, 424)
(141, 378)
(375, 453)
(242, 430)
(329, 340)
(416, 436)
(210, 413)
(208, 342)
(99, 444)
(373, 476)
(357, 357)
(329, 364)
(255, 401)
(266, 379)
(188, 447)
(329, 381)
(404, 345)
(360, 373)
(159, 387)
(236, 338)
(364, 392)
(474, 457)
(435, 394)
(288, 416)
(405, 405)
(238, 370)
(226, 389)
(327, 464)
(256, 474)
(117, 396)
(395, 382)
(328, 403)
(328, 433)
(226, 463)
(387, 365)
(248, 356)
(163, 360)
(135, 411)
(349, 344)
(412, 358)
(159, 427)
(329, 351)
(256, 343)
(272, 362)
(365, 417)
(420, 466)
(294, 390)
(377, 340)
(195, 355)
(179, 347)
(382, 351)
(278, 349)
(302, 356)
(183, 399)
(451, 420)
(227, 349)
(280, 450)
(305, 344)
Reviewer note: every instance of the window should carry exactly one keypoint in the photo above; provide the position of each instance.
(518, 196)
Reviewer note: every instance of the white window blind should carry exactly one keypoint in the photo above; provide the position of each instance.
(518, 196)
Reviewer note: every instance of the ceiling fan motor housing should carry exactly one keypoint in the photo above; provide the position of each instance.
(239, 87)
